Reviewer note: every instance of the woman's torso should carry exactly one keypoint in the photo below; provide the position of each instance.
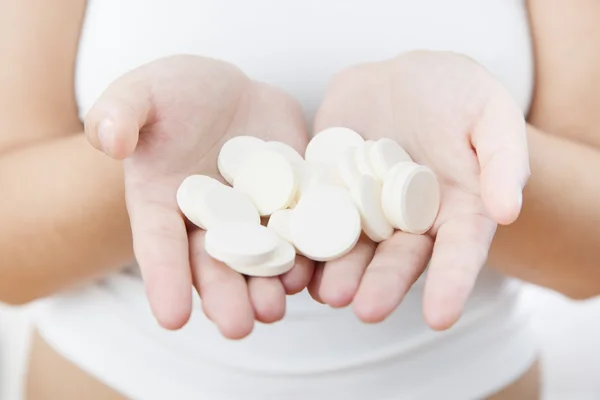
(298, 46)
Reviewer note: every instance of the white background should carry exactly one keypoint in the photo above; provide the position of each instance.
(569, 333)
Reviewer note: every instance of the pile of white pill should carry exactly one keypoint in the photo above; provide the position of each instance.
(317, 206)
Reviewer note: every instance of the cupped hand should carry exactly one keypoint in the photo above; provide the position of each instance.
(168, 120)
(450, 114)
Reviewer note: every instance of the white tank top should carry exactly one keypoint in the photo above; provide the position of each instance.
(315, 352)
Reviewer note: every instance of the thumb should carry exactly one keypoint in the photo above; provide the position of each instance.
(500, 141)
(114, 122)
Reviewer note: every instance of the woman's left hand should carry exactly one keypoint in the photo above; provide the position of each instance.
(449, 113)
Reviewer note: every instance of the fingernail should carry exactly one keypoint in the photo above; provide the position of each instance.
(105, 130)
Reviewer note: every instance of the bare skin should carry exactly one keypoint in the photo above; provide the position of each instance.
(39, 127)
(76, 255)
(484, 165)
(215, 101)
(52, 377)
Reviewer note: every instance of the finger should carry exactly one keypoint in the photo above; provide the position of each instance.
(296, 280)
(113, 124)
(160, 245)
(315, 283)
(459, 253)
(397, 264)
(224, 293)
(267, 296)
(500, 140)
(342, 276)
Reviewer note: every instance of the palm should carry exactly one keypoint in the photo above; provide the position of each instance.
(190, 106)
(450, 115)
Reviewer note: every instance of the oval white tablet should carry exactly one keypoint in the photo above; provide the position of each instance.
(347, 168)
(363, 159)
(241, 244)
(366, 192)
(189, 193)
(411, 197)
(234, 152)
(384, 155)
(326, 145)
(279, 222)
(280, 262)
(285, 150)
(222, 204)
(325, 224)
(269, 179)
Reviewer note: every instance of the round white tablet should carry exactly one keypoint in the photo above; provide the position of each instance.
(221, 205)
(391, 210)
(304, 179)
(279, 222)
(269, 179)
(285, 150)
(325, 224)
(363, 159)
(366, 192)
(280, 262)
(234, 152)
(347, 168)
(385, 154)
(241, 244)
(411, 197)
(190, 191)
(326, 145)
(309, 175)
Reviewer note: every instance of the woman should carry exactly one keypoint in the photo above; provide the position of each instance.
(97, 338)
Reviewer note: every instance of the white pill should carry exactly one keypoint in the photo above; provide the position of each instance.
(279, 222)
(363, 159)
(285, 150)
(347, 168)
(280, 262)
(310, 175)
(384, 155)
(269, 179)
(326, 145)
(221, 204)
(241, 244)
(189, 192)
(234, 152)
(411, 197)
(391, 209)
(366, 192)
(325, 224)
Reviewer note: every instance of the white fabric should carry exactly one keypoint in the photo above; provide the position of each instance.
(316, 352)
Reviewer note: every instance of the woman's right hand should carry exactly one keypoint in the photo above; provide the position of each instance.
(168, 120)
